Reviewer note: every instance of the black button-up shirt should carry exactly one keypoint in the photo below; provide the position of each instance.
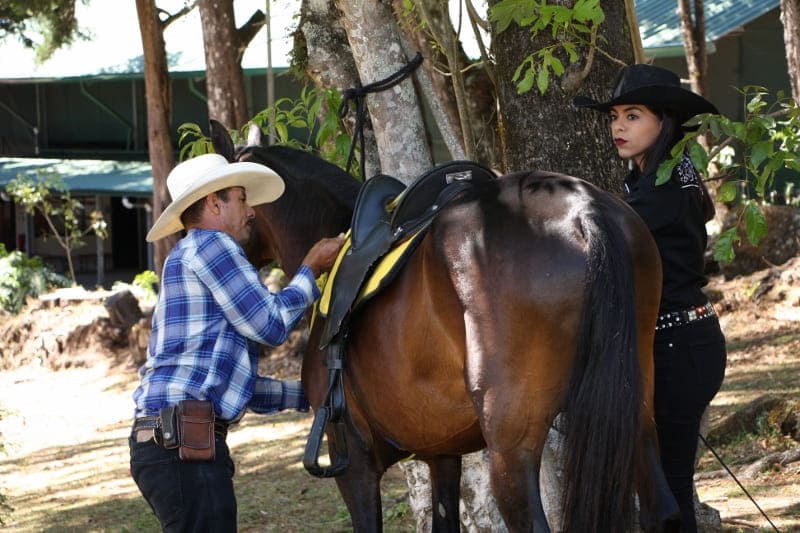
(674, 213)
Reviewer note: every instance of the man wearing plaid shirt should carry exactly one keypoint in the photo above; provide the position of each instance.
(212, 313)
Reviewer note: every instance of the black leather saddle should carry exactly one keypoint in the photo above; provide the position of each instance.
(386, 213)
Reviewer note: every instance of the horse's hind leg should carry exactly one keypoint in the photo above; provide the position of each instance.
(658, 510)
(515, 484)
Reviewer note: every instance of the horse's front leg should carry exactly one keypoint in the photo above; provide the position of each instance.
(359, 486)
(369, 458)
(445, 492)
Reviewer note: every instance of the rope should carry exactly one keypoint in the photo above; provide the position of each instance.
(737, 482)
(358, 95)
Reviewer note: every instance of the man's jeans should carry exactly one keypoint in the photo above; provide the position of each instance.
(186, 496)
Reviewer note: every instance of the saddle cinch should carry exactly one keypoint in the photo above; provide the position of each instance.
(389, 221)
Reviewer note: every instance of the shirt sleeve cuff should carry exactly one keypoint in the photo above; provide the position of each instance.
(305, 272)
(274, 395)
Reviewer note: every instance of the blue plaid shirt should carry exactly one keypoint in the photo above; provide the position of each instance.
(211, 315)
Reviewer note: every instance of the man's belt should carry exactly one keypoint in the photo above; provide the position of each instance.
(686, 316)
(147, 428)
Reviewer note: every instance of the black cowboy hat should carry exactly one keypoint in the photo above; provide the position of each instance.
(654, 87)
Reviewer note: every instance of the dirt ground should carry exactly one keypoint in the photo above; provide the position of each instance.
(67, 375)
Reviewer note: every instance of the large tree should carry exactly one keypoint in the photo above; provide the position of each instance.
(693, 27)
(224, 46)
(540, 127)
(323, 53)
(790, 16)
(158, 93)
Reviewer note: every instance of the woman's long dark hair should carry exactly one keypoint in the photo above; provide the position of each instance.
(671, 132)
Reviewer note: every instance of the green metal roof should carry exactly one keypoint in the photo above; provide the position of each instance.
(86, 176)
(660, 24)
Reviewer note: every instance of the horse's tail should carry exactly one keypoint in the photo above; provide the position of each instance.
(603, 402)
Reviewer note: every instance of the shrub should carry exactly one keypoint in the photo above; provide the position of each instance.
(22, 276)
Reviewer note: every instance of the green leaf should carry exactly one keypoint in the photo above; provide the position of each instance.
(760, 152)
(281, 131)
(571, 50)
(723, 248)
(588, 10)
(664, 172)
(505, 12)
(543, 80)
(526, 83)
(755, 223)
(727, 192)
(699, 157)
(557, 65)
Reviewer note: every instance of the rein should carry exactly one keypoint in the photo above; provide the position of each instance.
(358, 94)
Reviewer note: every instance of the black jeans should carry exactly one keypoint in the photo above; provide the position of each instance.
(186, 496)
(689, 368)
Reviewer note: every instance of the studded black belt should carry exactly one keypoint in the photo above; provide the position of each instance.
(686, 316)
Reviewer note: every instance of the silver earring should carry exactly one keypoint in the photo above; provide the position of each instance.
(630, 164)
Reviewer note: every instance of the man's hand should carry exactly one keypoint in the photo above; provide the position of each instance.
(322, 255)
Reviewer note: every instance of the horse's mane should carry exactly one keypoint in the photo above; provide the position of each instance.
(302, 170)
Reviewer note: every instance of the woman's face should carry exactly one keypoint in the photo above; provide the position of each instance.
(634, 129)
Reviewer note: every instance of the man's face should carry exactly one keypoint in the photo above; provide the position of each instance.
(236, 215)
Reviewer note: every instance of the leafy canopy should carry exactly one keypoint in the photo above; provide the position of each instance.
(300, 123)
(43, 25)
(570, 28)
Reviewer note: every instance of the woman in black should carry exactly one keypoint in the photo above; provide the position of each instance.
(647, 109)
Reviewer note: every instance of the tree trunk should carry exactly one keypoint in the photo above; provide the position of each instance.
(400, 133)
(436, 84)
(790, 16)
(223, 46)
(545, 131)
(693, 27)
(159, 116)
(329, 64)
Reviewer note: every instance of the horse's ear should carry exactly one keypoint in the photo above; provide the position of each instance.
(221, 139)
(253, 135)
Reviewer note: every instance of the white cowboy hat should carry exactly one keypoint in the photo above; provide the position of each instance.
(197, 177)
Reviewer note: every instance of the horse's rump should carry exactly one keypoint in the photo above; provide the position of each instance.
(493, 291)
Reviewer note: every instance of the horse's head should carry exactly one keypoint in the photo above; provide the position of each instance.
(317, 202)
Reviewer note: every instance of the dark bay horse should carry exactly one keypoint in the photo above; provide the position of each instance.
(534, 295)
